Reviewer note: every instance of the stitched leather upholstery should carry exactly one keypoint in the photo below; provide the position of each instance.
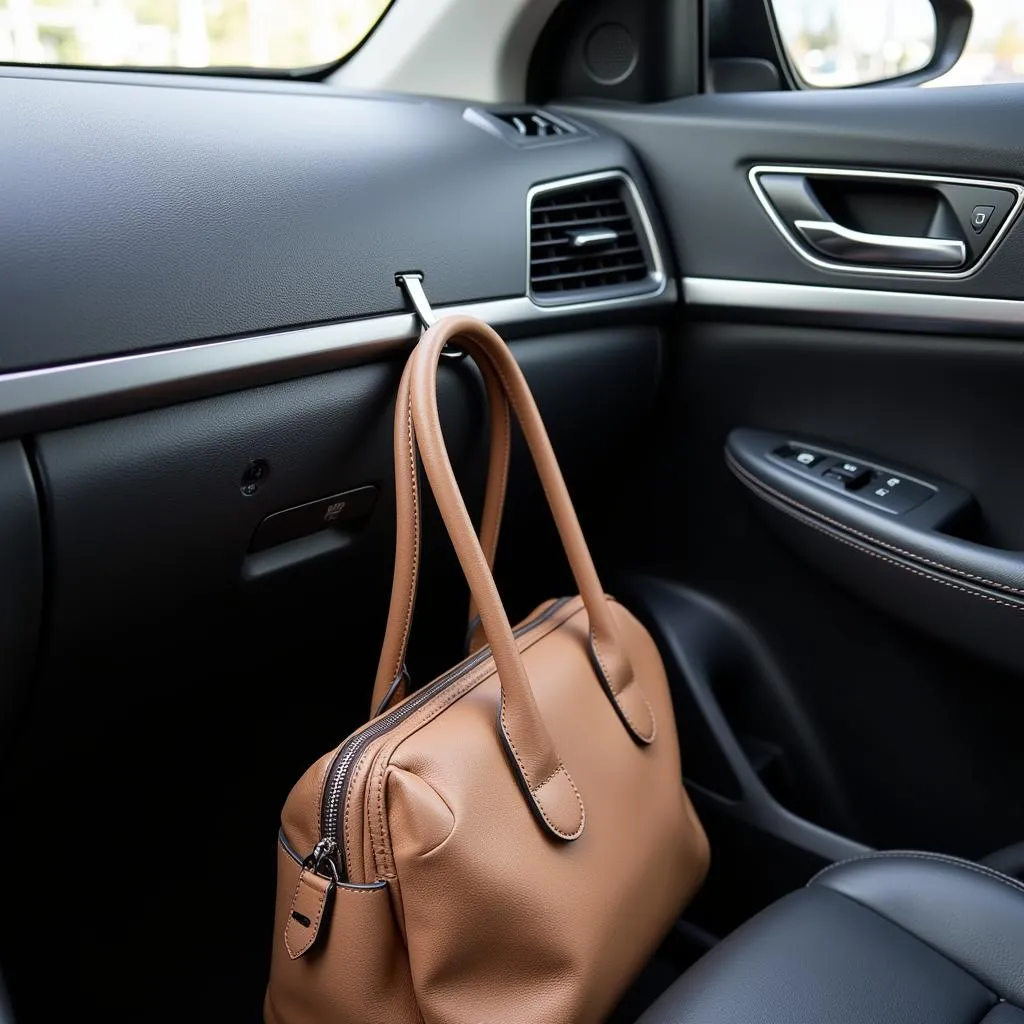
(900, 938)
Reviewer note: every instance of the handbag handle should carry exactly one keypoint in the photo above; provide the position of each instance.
(532, 754)
(390, 682)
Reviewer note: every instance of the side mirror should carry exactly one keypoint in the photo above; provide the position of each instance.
(846, 43)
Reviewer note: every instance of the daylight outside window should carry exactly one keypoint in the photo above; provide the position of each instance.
(184, 33)
(834, 43)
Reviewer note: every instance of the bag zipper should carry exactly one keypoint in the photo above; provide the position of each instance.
(348, 753)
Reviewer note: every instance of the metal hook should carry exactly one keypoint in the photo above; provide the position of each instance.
(411, 282)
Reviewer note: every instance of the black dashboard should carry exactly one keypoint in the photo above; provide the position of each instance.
(149, 212)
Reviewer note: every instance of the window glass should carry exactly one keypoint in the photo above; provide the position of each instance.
(852, 42)
(995, 46)
(184, 33)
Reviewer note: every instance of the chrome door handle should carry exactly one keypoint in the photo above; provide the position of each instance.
(864, 248)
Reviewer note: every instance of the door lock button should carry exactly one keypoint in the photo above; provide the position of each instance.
(980, 216)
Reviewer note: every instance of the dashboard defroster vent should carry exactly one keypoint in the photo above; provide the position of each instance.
(591, 239)
(532, 124)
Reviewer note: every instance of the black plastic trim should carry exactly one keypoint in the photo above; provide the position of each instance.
(21, 574)
(34, 400)
(678, 618)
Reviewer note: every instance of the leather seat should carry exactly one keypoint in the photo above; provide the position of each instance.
(898, 938)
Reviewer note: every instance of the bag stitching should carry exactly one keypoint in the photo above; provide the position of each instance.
(415, 545)
(534, 790)
(506, 458)
(652, 732)
(480, 350)
(427, 714)
(348, 801)
(314, 925)
(738, 469)
(551, 776)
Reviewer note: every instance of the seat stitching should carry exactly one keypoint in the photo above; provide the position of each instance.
(738, 470)
(941, 858)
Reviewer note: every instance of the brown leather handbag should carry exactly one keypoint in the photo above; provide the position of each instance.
(513, 840)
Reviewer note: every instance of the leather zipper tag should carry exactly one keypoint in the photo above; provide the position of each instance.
(312, 895)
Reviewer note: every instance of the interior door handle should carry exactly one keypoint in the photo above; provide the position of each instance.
(850, 246)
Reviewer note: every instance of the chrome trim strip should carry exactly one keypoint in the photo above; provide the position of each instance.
(926, 307)
(838, 172)
(74, 392)
(655, 282)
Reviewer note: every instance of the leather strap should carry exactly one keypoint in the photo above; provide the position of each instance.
(532, 755)
(390, 684)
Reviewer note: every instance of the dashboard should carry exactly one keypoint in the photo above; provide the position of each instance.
(202, 324)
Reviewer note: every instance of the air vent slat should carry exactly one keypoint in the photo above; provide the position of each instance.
(627, 235)
(578, 274)
(617, 218)
(554, 207)
(587, 237)
(632, 250)
(534, 124)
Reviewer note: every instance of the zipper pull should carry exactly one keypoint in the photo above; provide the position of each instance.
(312, 897)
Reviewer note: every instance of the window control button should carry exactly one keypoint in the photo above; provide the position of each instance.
(806, 458)
(895, 494)
(851, 475)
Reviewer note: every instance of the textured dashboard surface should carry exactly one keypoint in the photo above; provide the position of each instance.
(152, 211)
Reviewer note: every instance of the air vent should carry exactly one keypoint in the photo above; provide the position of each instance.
(588, 241)
(532, 124)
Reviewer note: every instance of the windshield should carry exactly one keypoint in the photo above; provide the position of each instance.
(184, 33)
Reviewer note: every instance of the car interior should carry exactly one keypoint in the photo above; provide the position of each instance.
(775, 335)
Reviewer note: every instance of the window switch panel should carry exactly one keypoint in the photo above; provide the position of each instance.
(894, 493)
(880, 488)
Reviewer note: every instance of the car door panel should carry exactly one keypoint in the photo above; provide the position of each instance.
(699, 151)
(892, 538)
(907, 674)
(21, 578)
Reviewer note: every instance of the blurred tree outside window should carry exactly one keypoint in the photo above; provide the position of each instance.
(184, 33)
(835, 43)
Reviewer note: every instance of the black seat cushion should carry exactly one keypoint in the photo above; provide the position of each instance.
(895, 938)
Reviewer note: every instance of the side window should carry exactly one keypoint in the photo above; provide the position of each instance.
(995, 46)
(833, 43)
(836, 43)
(184, 33)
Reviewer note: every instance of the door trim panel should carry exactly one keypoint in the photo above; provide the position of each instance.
(75, 392)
